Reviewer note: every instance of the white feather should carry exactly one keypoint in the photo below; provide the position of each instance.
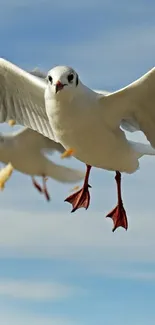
(24, 149)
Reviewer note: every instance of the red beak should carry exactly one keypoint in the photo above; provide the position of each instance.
(58, 86)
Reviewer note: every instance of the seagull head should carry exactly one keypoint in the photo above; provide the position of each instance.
(62, 79)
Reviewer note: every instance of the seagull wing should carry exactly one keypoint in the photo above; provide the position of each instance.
(134, 104)
(38, 73)
(127, 124)
(22, 98)
(36, 140)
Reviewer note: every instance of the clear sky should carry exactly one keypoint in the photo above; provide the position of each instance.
(58, 268)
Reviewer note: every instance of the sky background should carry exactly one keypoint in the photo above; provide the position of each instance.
(58, 268)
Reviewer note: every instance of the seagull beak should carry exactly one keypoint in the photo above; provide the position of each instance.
(58, 86)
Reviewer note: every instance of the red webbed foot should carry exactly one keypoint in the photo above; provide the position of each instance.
(118, 214)
(81, 199)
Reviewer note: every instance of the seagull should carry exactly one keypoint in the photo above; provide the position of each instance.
(25, 150)
(84, 121)
(89, 123)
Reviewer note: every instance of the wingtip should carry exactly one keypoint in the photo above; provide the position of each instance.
(74, 175)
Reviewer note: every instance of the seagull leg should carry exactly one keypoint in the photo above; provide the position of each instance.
(118, 214)
(81, 198)
(36, 185)
(44, 189)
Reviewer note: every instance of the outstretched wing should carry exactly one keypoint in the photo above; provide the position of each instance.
(22, 98)
(37, 141)
(38, 73)
(128, 124)
(134, 104)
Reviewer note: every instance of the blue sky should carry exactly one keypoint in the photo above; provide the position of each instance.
(60, 268)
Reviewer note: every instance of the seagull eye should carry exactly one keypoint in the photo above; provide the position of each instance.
(70, 77)
(50, 79)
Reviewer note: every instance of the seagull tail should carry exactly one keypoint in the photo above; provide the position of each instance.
(142, 149)
(64, 174)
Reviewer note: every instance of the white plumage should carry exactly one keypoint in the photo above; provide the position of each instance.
(22, 98)
(90, 122)
(84, 120)
(25, 150)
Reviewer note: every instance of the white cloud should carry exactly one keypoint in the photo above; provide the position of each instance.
(10, 317)
(121, 271)
(84, 236)
(135, 275)
(39, 291)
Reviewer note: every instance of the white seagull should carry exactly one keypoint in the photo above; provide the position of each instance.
(83, 120)
(25, 150)
(89, 123)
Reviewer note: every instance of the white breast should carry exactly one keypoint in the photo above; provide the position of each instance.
(80, 128)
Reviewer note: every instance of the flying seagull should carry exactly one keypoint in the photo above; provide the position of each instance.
(89, 123)
(25, 150)
(126, 124)
(83, 120)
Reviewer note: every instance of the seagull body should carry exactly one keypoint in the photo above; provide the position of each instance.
(122, 154)
(25, 150)
(83, 124)
(83, 120)
(89, 123)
